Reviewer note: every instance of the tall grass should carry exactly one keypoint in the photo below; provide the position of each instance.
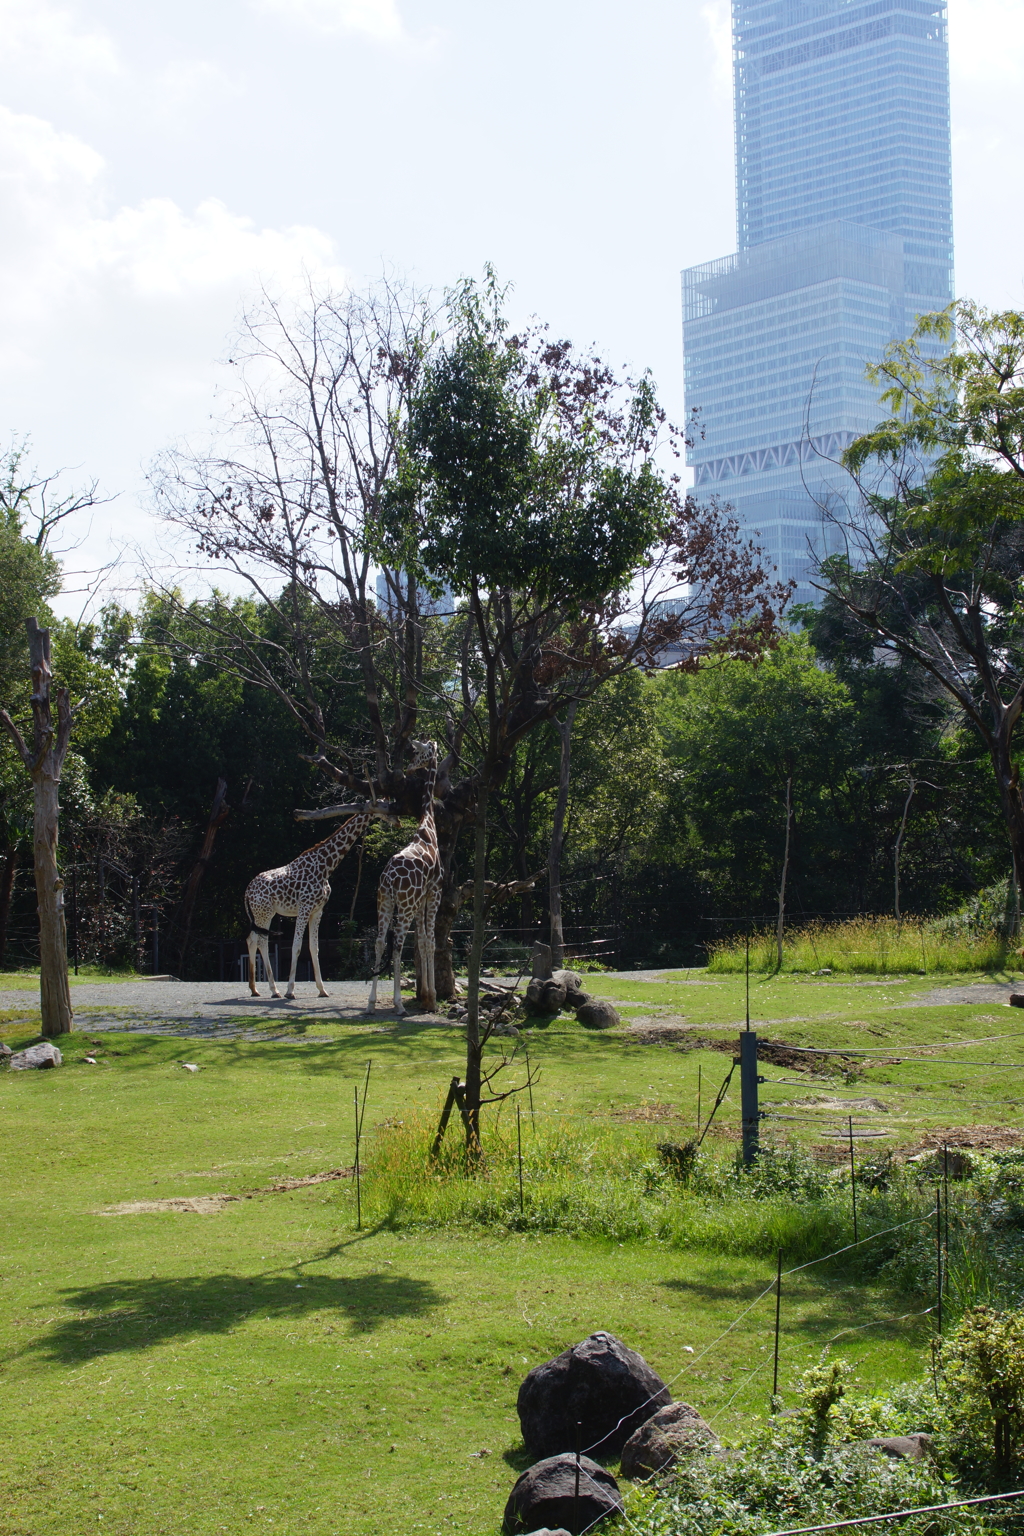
(604, 1181)
(873, 946)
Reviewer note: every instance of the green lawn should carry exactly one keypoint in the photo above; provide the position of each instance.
(268, 1367)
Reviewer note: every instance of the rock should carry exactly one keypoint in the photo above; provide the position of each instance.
(601, 1384)
(657, 1445)
(547, 1531)
(597, 1013)
(572, 981)
(544, 1494)
(541, 962)
(1017, 999)
(5, 1052)
(915, 1447)
(45, 1054)
(545, 998)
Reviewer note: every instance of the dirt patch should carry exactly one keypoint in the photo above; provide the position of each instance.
(312, 1178)
(651, 1032)
(648, 1114)
(208, 1205)
(199, 1205)
(841, 1106)
(981, 1138)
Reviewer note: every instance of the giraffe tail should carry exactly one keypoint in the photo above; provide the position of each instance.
(263, 932)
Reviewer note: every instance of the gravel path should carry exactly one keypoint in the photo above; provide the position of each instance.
(221, 1009)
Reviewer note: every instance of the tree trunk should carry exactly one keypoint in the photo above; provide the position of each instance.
(476, 951)
(54, 986)
(1008, 782)
(899, 847)
(219, 812)
(564, 729)
(7, 872)
(43, 761)
(785, 872)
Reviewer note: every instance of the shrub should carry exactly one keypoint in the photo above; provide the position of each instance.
(983, 1393)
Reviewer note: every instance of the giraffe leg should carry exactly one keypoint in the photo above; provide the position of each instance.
(384, 910)
(430, 907)
(300, 930)
(401, 929)
(263, 945)
(250, 945)
(314, 949)
(421, 962)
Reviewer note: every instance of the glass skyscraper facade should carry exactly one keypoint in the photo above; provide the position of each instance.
(845, 236)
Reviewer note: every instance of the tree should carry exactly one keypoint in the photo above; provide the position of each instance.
(516, 471)
(35, 576)
(931, 566)
(528, 481)
(763, 754)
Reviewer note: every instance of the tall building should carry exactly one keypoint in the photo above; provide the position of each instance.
(845, 235)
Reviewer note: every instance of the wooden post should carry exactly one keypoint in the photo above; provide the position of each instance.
(44, 760)
(749, 1112)
(442, 1124)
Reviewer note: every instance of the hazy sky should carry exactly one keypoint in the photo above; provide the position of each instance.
(157, 161)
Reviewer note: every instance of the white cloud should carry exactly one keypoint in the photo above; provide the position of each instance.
(986, 43)
(39, 37)
(111, 320)
(376, 19)
(718, 21)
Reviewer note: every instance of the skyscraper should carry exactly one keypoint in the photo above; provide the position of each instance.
(845, 235)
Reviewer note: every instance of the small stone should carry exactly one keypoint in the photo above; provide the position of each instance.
(43, 1055)
(5, 1052)
(190, 1066)
(545, 1493)
(598, 1014)
(669, 1434)
(1017, 999)
(914, 1447)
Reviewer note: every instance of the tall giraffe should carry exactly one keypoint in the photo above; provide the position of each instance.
(410, 892)
(300, 890)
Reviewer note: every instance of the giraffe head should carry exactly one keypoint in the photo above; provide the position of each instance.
(424, 754)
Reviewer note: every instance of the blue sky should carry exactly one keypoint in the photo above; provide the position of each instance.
(157, 161)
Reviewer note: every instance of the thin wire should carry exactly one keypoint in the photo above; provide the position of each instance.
(897, 1514)
(876, 1322)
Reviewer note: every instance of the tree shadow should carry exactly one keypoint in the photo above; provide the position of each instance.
(125, 1315)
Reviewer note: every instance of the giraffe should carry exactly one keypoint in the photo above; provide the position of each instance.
(410, 892)
(301, 890)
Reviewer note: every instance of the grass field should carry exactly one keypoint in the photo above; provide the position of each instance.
(265, 1366)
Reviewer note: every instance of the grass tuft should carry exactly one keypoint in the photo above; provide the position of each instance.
(872, 946)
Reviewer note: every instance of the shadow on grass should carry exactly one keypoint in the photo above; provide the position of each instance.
(125, 1315)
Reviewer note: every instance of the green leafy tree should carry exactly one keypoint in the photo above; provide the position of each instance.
(931, 566)
(529, 482)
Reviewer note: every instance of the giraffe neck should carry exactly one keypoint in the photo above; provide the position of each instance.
(334, 848)
(427, 830)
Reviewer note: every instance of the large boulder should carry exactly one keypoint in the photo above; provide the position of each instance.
(545, 998)
(673, 1432)
(546, 1492)
(45, 1054)
(572, 981)
(598, 1013)
(602, 1385)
